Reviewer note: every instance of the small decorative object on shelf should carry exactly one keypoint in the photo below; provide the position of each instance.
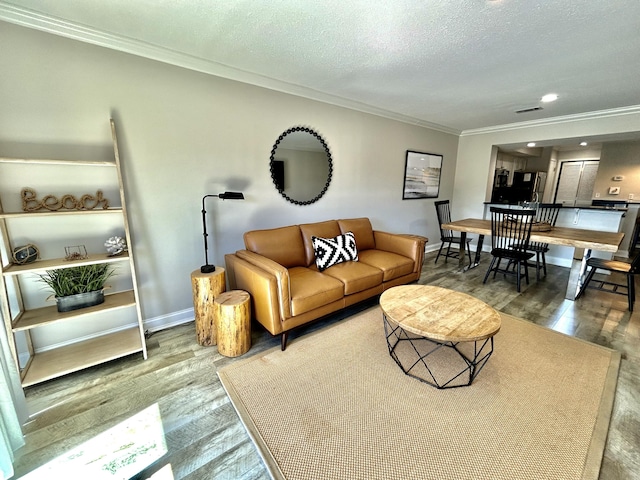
(30, 202)
(78, 287)
(75, 252)
(115, 246)
(25, 254)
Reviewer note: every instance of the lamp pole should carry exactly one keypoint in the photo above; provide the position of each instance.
(206, 268)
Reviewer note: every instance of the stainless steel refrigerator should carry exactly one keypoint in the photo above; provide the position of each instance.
(528, 186)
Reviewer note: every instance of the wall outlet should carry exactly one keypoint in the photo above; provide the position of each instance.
(631, 196)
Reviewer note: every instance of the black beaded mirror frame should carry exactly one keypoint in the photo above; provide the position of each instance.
(272, 159)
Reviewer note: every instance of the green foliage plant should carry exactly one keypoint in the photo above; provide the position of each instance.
(74, 280)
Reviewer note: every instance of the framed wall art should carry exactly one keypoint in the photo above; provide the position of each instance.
(421, 175)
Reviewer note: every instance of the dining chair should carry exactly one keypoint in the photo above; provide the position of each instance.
(629, 269)
(510, 233)
(545, 213)
(443, 211)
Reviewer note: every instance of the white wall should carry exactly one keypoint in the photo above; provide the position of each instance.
(184, 134)
(619, 159)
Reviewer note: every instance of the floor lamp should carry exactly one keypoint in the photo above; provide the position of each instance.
(206, 268)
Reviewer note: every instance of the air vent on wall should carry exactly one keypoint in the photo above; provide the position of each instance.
(528, 109)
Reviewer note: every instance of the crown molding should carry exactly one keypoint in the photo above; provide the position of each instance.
(613, 112)
(57, 26)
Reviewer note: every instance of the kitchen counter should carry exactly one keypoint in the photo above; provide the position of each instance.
(584, 207)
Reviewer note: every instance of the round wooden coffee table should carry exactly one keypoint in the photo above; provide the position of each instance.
(439, 336)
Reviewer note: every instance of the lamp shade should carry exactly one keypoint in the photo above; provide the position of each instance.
(231, 196)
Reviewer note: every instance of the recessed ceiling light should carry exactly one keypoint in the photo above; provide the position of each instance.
(549, 97)
(531, 144)
(583, 144)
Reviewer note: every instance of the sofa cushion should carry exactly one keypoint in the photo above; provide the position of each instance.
(355, 276)
(311, 289)
(328, 229)
(331, 251)
(282, 245)
(361, 228)
(391, 264)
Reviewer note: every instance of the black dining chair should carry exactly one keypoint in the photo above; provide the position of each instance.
(443, 211)
(545, 213)
(629, 269)
(510, 233)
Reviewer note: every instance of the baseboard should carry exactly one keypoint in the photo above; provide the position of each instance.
(169, 320)
(431, 248)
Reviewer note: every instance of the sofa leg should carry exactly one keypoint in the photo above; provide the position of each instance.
(283, 340)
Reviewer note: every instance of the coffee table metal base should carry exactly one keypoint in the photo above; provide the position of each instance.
(439, 364)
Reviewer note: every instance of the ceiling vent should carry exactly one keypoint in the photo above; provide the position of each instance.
(528, 109)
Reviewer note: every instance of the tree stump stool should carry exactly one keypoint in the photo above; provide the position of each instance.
(206, 287)
(233, 322)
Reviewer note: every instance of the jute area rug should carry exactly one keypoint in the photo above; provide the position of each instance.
(335, 406)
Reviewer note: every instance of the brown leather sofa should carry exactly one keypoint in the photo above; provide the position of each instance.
(287, 289)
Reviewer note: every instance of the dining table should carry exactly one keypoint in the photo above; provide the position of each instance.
(583, 240)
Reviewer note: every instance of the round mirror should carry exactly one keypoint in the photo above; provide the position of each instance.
(301, 166)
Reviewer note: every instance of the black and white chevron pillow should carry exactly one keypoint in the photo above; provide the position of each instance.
(330, 251)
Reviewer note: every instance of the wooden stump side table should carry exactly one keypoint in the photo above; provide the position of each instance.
(206, 287)
(233, 322)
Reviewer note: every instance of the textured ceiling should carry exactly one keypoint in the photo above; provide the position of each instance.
(457, 65)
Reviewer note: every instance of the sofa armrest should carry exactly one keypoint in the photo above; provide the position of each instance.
(261, 286)
(411, 246)
(277, 271)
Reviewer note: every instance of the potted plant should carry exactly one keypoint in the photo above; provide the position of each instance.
(78, 287)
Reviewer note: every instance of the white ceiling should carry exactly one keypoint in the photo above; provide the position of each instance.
(456, 65)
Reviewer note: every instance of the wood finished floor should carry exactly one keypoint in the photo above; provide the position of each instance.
(206, 440)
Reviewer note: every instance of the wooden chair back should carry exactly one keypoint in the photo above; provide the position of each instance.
(443, 211)
(546, 213)
(511, 228)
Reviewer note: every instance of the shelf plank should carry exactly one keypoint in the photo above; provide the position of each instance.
(61, 361)
(52, 161)
(40, 266)
(39, 317)
(49, 213)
